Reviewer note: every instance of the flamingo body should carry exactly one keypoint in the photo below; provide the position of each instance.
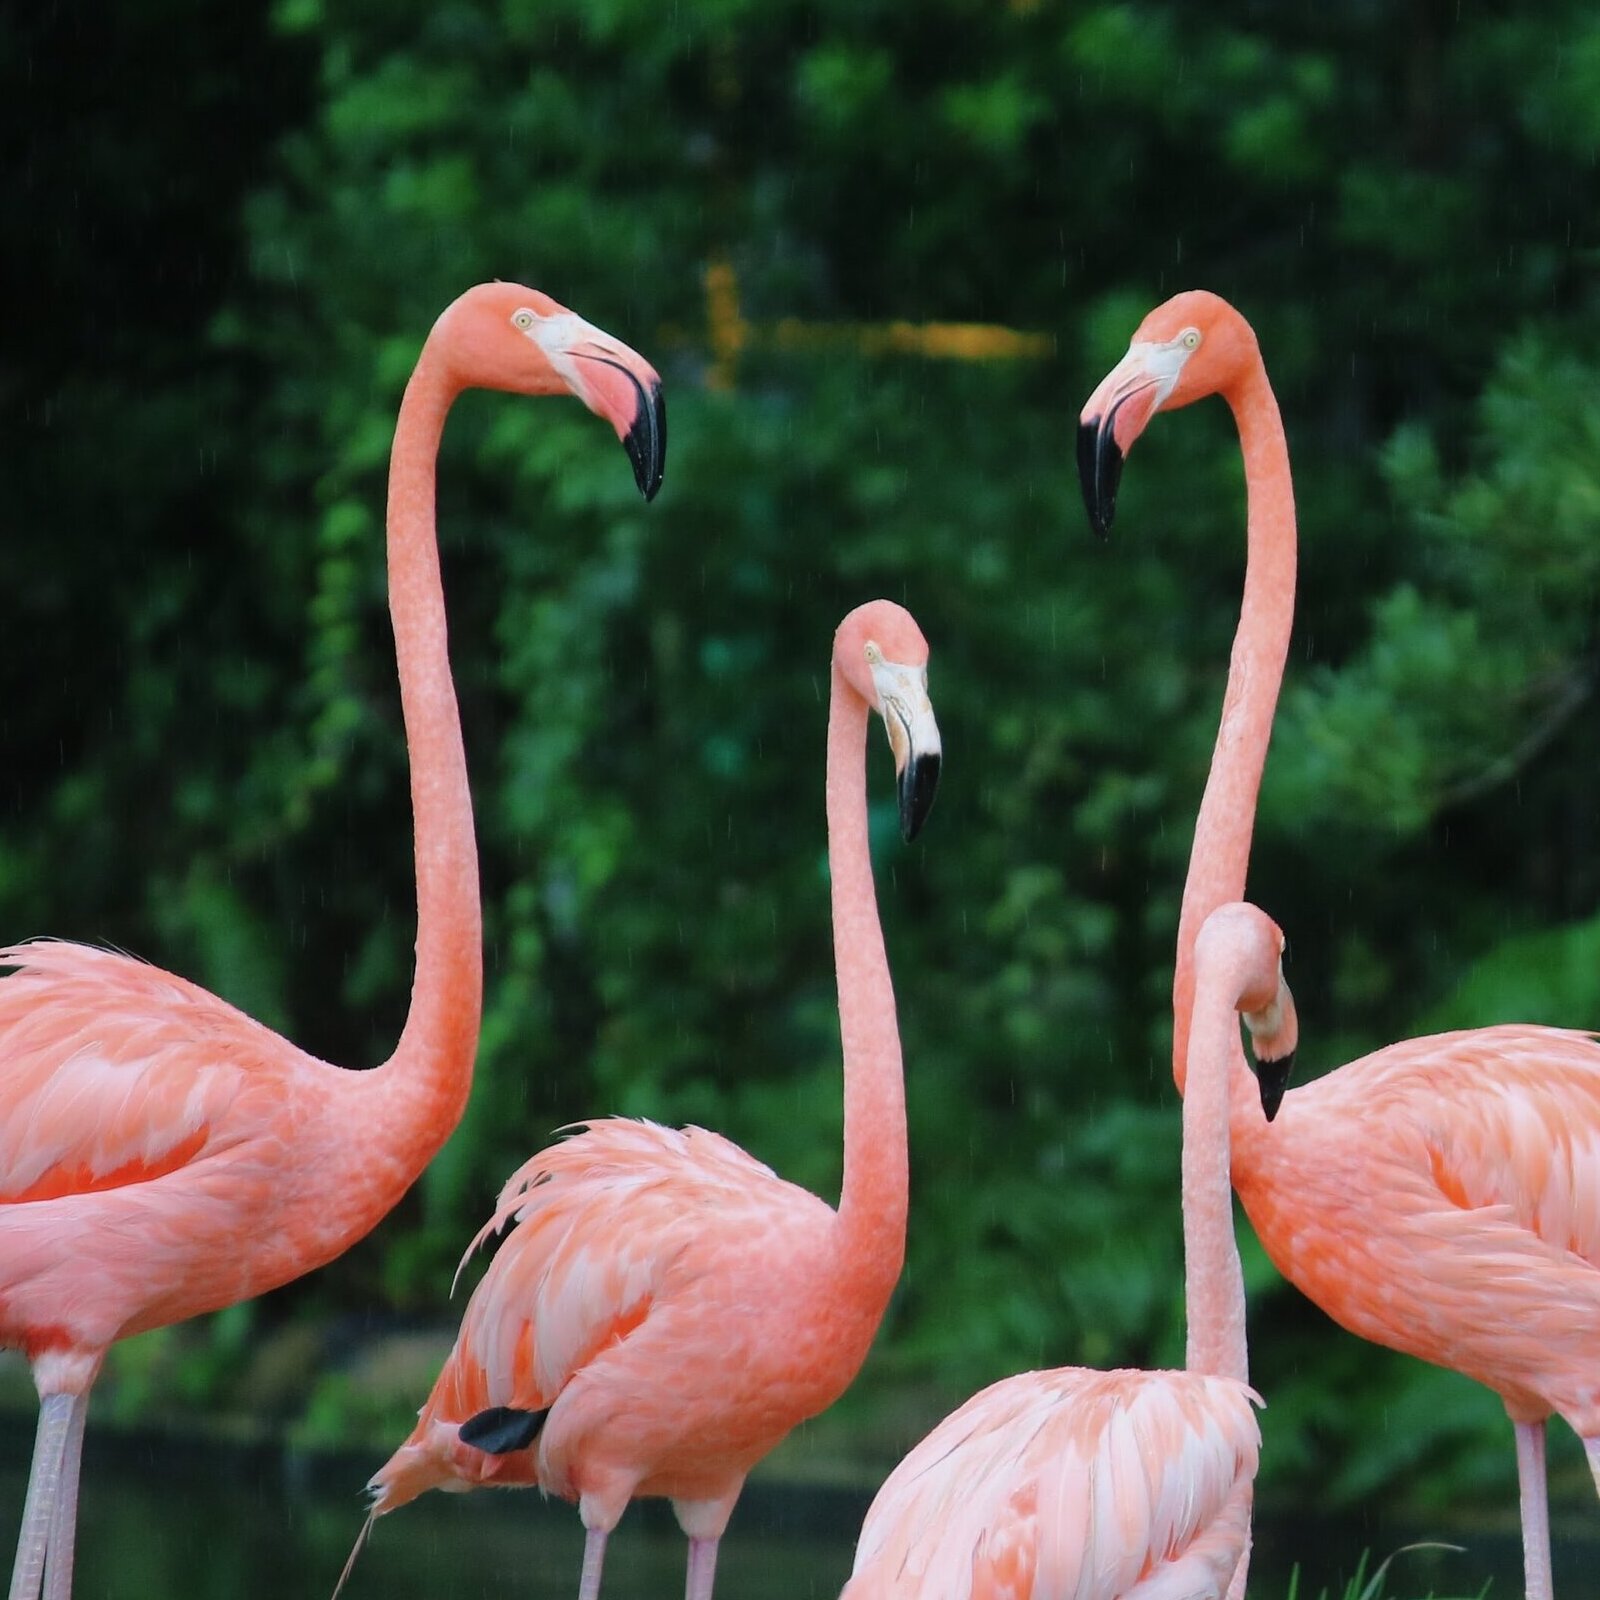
(1073, 1484)
(1442, 1197)
(663, 1308)
(650, 1273)
(163, 1155)
(1070, 1484)
(151, 1136)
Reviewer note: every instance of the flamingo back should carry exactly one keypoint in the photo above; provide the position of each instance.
(1070, 1485)
(107, 1081)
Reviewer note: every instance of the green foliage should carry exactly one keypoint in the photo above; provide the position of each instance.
(1374, 1585)
(204, 752)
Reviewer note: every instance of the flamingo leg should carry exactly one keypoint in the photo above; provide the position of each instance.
(702, 1569)
(1535, 1511)
(44, 1486)
(594, 1554)
(64, 1525)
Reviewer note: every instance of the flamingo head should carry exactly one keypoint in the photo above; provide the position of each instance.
(1192, 345)
(880, 652)
(505, 336)
(1254, 946)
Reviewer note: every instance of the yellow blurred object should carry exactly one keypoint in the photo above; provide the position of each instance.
(939, 341)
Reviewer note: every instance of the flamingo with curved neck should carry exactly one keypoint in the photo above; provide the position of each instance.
(1440, 1196)
(1105, 1485)
(664, 1308)
(162, 1154)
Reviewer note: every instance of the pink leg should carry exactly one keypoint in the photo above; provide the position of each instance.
(64, 1526)
(1535, 1511)
(44, 1487)
(702, 1569)
(594, 1553)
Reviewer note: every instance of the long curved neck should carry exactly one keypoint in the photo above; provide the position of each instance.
(1213, 1278)
(425, 1081)
(872, 1206)
(1220, 857)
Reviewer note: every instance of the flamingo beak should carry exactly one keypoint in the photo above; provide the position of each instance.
(616, 383)
(646, 440)
(1099, 472)
(640, 419)
(1274, 1035)
(919, 783)
(914, 739)
(1272, 1078)
(1115, 415)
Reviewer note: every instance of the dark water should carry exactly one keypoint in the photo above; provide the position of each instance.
(160, 1520)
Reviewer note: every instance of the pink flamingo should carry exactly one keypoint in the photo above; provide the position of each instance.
(1441, 1196)
(664, 1308)
(1111, 1485)
(163, 1155)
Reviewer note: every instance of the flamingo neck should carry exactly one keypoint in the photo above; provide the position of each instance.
(1213, 1278)
(426, 1080)
(872, 1206)
(1219, 859)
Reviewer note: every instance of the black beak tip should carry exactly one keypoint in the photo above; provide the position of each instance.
(919, 783)
(1272, 1078)
(1099, 473)
(646, 442)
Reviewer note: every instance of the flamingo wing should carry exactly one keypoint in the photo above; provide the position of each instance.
(1070, 1485)
(1509, 1119)
(113, 1072)
(1442, 1197)
(598, 1223)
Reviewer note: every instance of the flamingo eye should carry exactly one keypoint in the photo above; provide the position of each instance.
(522, 320)
(1190, 339)
(874, 655)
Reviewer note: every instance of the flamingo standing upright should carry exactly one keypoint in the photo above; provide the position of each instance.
(664, 1308)
(1082, 1485)
(1440, 1196)
(162, 1154)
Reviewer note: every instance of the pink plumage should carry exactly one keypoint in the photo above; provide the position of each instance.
(649, 1272)
(163, 1155)
(1080, 1485)
(663, 1308)
(1069, 1483)
(1441, 1195)
(143, 1123)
